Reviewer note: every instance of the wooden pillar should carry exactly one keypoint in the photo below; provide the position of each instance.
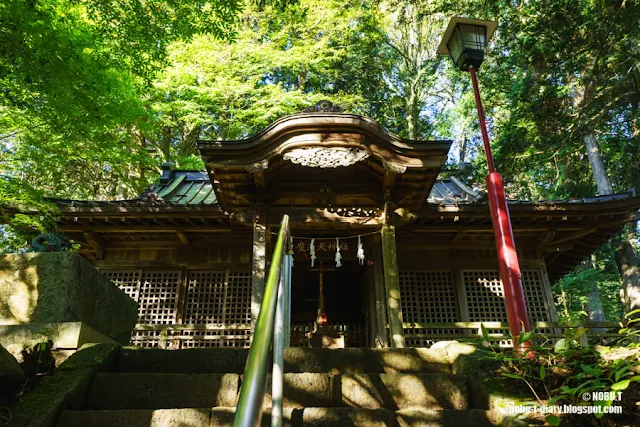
(380, 338)
(258, 270)
(392, 285)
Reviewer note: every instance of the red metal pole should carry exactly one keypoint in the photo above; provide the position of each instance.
(507, 255)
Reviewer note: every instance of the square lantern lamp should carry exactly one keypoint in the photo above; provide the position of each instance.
(466, 40)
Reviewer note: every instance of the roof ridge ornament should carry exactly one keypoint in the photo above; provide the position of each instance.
(324, 106)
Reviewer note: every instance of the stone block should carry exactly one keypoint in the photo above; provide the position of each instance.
(342, 417)
(68, 335)
(99, 357)
(441, 418)
(136, 418)
(304, 390)
(63, 390)
(365, 360)
(55, 287)
(162, 391)
(399, 391)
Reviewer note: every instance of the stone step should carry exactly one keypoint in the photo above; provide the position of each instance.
(372, 391)
(326, 417)
(297, 360)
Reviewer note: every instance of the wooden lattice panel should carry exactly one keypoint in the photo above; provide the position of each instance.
(428, 297)
(534, 294)
(485, 296)
(127, 280)
(145, 339)
(238, 298)
(220, 297)
(205, 297)
(216, 338)
(158, 297)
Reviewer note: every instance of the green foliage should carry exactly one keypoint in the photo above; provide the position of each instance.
(630, 332)
(564, 372)
(559, 70)
(573, 291)
(73, 76)
(24, 213)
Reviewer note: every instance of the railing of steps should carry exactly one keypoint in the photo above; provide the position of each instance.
(272, 324)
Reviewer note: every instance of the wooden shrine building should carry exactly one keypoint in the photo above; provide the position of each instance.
(193, 249)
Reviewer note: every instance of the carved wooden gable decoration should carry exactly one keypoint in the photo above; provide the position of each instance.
(323, 158)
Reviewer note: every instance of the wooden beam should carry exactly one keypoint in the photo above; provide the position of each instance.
(388, 182)
(392, 282)
(183, 237)
(144, 228)
(464, 244)
(474, 228)
(379, 293)
(258, 267)
(563, 247)
(459, 236)
(553, 259)
(314, 215)
(548, 237)
(573, 236)
(96, 242)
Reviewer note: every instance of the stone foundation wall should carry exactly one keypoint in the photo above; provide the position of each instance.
(58, 287)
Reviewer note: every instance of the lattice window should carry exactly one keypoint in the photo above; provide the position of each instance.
(205, 297)
(158, 297)
(145, 339)
(534, 293)
(428, 297)
(128, 281)
(485, 296)
(238, 298)
(219, 297)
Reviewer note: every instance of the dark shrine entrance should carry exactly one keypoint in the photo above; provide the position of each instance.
(344, 290)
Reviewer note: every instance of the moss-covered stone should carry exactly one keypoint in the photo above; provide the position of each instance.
(66, 388)
(11, 377)
(66, 335)
(63, 390)
(99, 357)
(63, 287)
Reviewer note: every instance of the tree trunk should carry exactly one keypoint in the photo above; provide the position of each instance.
(462, 146)
(626, 257)
(597, 165)
(628, 263)
(412, 117)
(594, 304)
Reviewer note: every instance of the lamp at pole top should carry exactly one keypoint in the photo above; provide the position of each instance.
(466, 40)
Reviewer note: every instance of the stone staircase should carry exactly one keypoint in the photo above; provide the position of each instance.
(345, 387)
